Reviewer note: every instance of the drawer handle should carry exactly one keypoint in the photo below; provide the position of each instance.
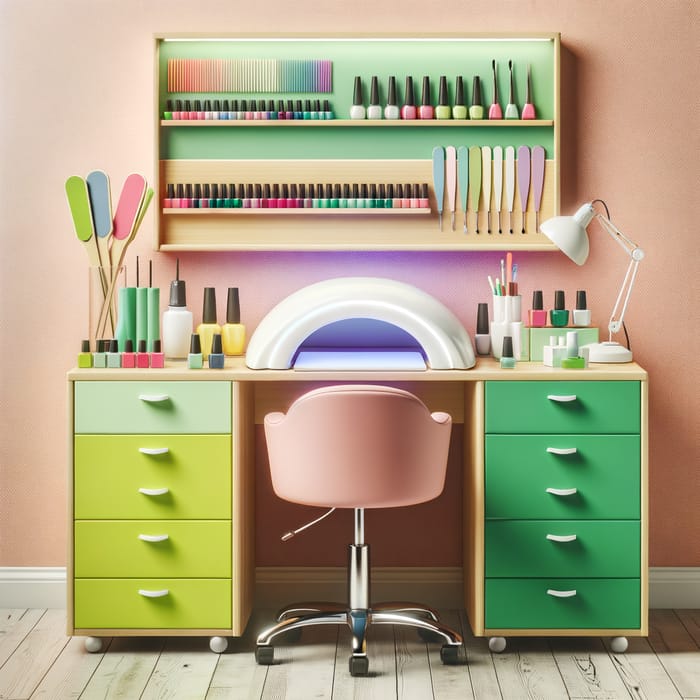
(154, 492)
(154, 450)
(562, 450)
(562, 492)
(153, 594)
(154, 398)
(161, 538)
(561, 594)
(561, 538)
(562, 398)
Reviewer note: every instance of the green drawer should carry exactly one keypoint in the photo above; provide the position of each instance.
(572, 548)
(597, 604)
(152, 407)
(181, 604)
(598, 407)
(109, 470)
(144, 549)
(604, 470)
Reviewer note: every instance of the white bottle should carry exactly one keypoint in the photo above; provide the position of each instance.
(357, 110)
(177, 322)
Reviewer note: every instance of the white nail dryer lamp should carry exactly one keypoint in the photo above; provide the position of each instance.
(347, 308)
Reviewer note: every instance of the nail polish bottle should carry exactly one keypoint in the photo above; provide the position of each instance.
(398, 196)
(206, 196)
(298, 110)
(381, 196)
(242, 109)
(271, 111)
(289, 113)
(327, 111)
(208, 326)
(221, 197)
(194, 358)
(252, 109)
(317, 112)
(345, 196)
(187, 112)
(407, 194)
(354, 194)
(507, 359)
(415, 196)
(168, 113)
(233, 111)
(177, 320)
(225, 108)
(476, 111)
(363, 199)
(169, 196)
(157, 356)
(389, 201)
(141, 355)
(85, 356)
(128, 356)
(197, 196)
(329, 200)
(266, 196)
(391, 111)
(236, 195)
(283, 196)
(424, 201)
(208, 112)
(408, 111)
(281, 114)
(459, 111)
(233, 331)
(99, 357)
(537, 316)
(198, 111)
(272, 202)
(443, 109)
(357, 111)
(559, 316)
(482, 338)
(582, 315)
(307, 109)
(114, 359)
(426, 110)
(374, 110)
(216, 356)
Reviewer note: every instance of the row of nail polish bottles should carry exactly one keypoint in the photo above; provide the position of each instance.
(559, 315)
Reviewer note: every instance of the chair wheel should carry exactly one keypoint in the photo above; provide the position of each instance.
(452, 655)
(359, 665)
(265, 655)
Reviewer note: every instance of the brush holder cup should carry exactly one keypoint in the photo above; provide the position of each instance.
(103, 286)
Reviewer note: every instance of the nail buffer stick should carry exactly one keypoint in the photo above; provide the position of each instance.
(523, 179)
(79, 205)
(101, 206)
(498, 182)
(475, 180)
(486, 182)
(510, 183)
(463, 177)
(537, 165)
(451, 174)
(439, 179)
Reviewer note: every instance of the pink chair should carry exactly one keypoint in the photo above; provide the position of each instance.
(358, 446)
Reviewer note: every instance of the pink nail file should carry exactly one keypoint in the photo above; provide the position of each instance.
(523, 179)
(537, 168)
(451, 177)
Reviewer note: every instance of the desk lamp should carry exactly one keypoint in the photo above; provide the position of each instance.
(569, 234)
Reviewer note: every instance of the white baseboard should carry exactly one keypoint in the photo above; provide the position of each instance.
(45, 587)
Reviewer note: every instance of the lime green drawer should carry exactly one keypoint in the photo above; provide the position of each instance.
(562, 407)
(595, 604)
(152, 407)
(573, 548)
(604, 470)
(152, 548)
(110, 470)
(178, 604)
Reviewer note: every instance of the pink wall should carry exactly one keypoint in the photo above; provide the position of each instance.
(77, 85)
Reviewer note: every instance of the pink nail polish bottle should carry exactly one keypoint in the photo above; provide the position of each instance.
(426, 109)
(408, 111)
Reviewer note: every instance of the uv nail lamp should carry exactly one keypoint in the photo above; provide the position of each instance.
(360, 323)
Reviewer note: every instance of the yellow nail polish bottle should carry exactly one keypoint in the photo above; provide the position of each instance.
(233, 331)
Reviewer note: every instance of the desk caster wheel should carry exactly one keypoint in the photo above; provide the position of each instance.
(93, 644)
(619, 644)
(218, 644)
(359, 665)
(265, 655)
(452, 655)
(497, 644)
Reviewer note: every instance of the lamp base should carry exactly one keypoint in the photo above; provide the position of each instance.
(607, 352)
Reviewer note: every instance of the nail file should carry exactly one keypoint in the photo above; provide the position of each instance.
(510, 183)
(439, 179)
(486, 182)
(498, 182)
(79, 204)
(523, 179)
(511, 108)
(451, 174)
(101, 206)
(529, 108)
(475, 180)
(537, 167)
(463, 177)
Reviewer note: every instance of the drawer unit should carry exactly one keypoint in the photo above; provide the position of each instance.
(152, 407)
(152, 603)
(153, 548)
(568, 548)
(562, 476)
(556, 603)
(152, 476)
(562, 407)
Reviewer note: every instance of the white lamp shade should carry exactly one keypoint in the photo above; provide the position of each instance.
(568, 233)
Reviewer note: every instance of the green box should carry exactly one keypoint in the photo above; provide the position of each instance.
(539, 337)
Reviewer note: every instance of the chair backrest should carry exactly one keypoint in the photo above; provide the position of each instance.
(358, 446)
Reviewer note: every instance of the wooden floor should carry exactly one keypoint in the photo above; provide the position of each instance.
(37, 660)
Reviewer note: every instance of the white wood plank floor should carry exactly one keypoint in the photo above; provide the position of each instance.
(37, 660)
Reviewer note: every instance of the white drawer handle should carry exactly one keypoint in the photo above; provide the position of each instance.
(153, 594)
(561, 594)
(562, 450)
(154, 450)
(154, 398)
(562, 492)
(157, 538)
(154, 492)
(561, 538)
(559, 398)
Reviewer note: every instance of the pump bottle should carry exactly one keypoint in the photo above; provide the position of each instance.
(177, 321)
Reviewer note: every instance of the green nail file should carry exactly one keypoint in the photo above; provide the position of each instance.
(463, 178)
